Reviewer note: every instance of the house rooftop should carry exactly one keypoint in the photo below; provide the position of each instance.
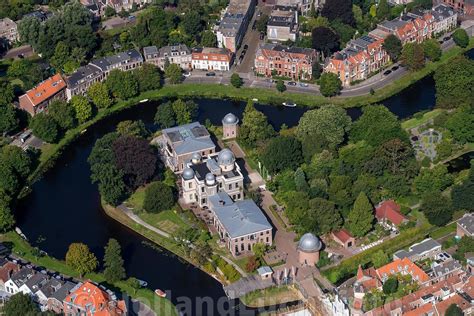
(264, 270)
(150, 50)
(403, 266)
(105, 63)
(467, 223)
(389, 210)
(239, 218)
(189, 138)
(82, 73)
(278, 48)
(46, 89)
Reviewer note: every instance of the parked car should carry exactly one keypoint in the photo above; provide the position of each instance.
(291, 83)
(387, 72)
(246, 47)
(395, 67)
(262, 36)
(210, 74)
(303, 84)
(446, 38)
(187, 74)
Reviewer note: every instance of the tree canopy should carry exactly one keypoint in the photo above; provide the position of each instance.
(20, 304)
(461, 38)
(276, 155)
(81, 259)
(113, 262)
(122, 84)
(255, 126)
(393, 47)
(329, 84)
(413, 56)
(158, 197)
(325, 40)
(437, 208)
(45, 127)
(361, 218)
(339, 9)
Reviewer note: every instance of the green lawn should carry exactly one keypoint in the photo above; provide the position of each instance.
(417, 121)
(169, 220)
(271, 296)
(443, 231)
(24, 250)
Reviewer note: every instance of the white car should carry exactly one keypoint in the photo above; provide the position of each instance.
(187, 74)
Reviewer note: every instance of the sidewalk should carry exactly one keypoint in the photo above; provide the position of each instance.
(138, 220)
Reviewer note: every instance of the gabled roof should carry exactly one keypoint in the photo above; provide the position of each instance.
(7, 270)
(403, 266)
(109, 62)
(391, 211)
(343, 235)
(467, 223)
(457, 299)
(45, 90)
(239, 218)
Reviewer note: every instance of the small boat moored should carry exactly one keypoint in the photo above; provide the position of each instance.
(143, 101)
(289, 104)
(142, 283)
(160, 293)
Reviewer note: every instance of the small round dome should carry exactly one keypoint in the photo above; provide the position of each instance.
(230, 119)
(210, 179)
(188, 173)
(226, 157)
(309, 243)
(196, 157)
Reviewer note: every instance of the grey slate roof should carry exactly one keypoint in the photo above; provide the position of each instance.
(189, 138)
(446, 267)
(467, 222)
(393, 24)
(239, 218)
(174, 50)
(83, 73)
(264, 270)
(109, 62)
(287, 49)
(36, 282)
(442, 11)
(20, 277)
(62, 292)
(426, 245)
(150, 50)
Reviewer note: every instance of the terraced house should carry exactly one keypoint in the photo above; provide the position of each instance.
(36, 100)
(293, 62)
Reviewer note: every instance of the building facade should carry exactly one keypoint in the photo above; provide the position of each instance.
(230, 126)
(176, 54)
(283, 24)
(240, 224)
(445, 19)
(206, 176)
(292, 62)
(234, 23)
(212, 59)
(36, 100)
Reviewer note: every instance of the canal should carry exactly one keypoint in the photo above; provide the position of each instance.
(64, 206)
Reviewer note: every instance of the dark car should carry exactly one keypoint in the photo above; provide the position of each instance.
(395, 68)
(246, 47)
(387, 72)
(210, 74)
(446, 38)
(262, 36)
(254, 25)
(291, 83)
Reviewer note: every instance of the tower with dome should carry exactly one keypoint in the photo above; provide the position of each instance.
(230, 126)
(308, 249)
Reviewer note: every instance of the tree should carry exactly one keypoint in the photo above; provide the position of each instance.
(6, 93)
(413, 56)
(461, 38)
(432, 49)
(383, 10)
(18, 159)
(255, 126)
(63, 114)
(393, 46)
(379, 258)
(20, 304)
(7, 221)
(275, 155)
(463, 194)
(454, 82)
(390, 286)
(99, 94)
(174, 73)
(454, 310)
(208, 39)
(165, 116)
(81, 259)
(235, 80)
(261, 25)
(111, 184)
(122, 84)
(62, 55)
(149, 77)
(325, 40)
(330, 84)
(45, 127)
(132, 128)
(136, 158)
(113, 262)
(432, 180)
(82, 107)
(184, 111)
(460, 125)
(328, 124)
(321, 217)
(134, 284)
(376, 125)
(27, 71)
(437, 208)
(109, 12)
(339, 9)
(361, 217)
(280, 86)
(158, 197)
(192, 23)
(8, 118)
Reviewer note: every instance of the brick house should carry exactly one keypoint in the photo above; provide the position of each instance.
(344, 238)
(175, 54)
(36, 100)
(389, 212)
(293, 62)
(210, 58)
(464, 6)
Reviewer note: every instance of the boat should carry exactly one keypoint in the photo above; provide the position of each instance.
(160, 293)
(289, 104)
(142, 283)
(83, 131)
(255, 100)
(144, 100)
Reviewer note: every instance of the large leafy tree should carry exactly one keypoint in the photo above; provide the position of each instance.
(413, 56)
(455, 83)
(63, 114)
(255, 126)
(383, 10)
(122, 84)
(325, 40)
(432, 180)
(81, 259)
(460, 125)
(276, 155)
(329, 123)
(330, 84)
(132, 128)
(339, 9)
(208, 39)
(174, 73)
(45, 127)
(82, 107)
(185, 111)
(235, 80)
(6, 93)
(136, 159)
(28, 72)
(8, 118)
(463, 194)
(432, 49)
(461, 38)
(158, 197)
(322, 217)
(437, 208)
(361, 218)
(165, 116)
(18, 159)
(7, 221)
(376, 125)
(390, 286)
(100, 96)
(393, 47)
(454, 310)
(149, 77)
(20, 304)
(192, 23)
(113, 262)
(393, 156)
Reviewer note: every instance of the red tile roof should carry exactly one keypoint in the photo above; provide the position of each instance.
(46, 89)
(457, 299)
(343, 235)
(7, 269)
(404, 266)
(391, 211)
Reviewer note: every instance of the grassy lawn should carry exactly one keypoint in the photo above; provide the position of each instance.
(443, 231)
(24, 250)
(417, 121)
(271, 296)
